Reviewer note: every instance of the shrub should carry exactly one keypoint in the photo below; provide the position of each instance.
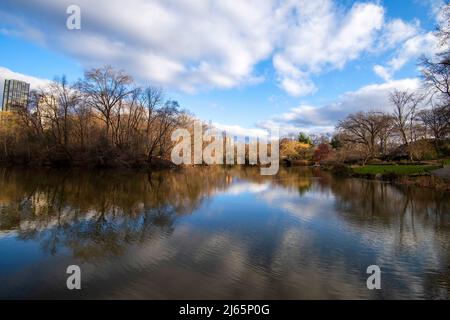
(422, 150)
(295, 150)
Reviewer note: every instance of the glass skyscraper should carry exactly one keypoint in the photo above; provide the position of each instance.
(15, 95)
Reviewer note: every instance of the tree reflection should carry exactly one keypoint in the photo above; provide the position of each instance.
(98, 214)
(362, 202)
(402, 221)
(334, 226)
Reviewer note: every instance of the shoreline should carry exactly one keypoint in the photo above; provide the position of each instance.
(154, 164)
(424, 180)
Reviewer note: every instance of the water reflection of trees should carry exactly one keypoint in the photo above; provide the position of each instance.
(364, 202)
(98, 214)
(401, 220)
(95, 214)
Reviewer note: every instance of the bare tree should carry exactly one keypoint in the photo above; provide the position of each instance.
(436, 120)
(82, 123)
(33, 117)
(104, 90)
(405, 105)
(63, 100)
(151, 99)
(127, 120)
(62, 123)
(365, 129)
(436, 76)
(167, 118)
(386, 127)
(436, 70)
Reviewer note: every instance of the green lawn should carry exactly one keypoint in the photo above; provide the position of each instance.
(446, 162)
(397, 169)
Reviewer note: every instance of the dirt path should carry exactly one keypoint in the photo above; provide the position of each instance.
(442, 173)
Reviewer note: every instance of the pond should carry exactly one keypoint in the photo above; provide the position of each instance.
(219, 233)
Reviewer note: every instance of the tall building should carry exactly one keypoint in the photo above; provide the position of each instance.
(15, 95)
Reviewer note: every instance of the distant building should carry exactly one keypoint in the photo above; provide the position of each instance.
(15, 95)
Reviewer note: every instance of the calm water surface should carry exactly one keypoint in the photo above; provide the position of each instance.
(210, 233)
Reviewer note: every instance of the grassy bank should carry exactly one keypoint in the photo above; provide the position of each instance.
(395, 169)
(410, 174)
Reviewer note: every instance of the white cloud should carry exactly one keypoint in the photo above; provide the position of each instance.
(382, 72)
(322, 119)
(409, 42)
(321, 37)
(247, 187)
(194, 44)
(188, 44)
(292, 80)
(413, 48)
(435, 7)
(397, 31)
(240, 131)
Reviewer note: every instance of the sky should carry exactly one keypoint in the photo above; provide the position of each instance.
(243, 65)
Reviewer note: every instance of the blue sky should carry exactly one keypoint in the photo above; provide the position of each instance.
(296, 64)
